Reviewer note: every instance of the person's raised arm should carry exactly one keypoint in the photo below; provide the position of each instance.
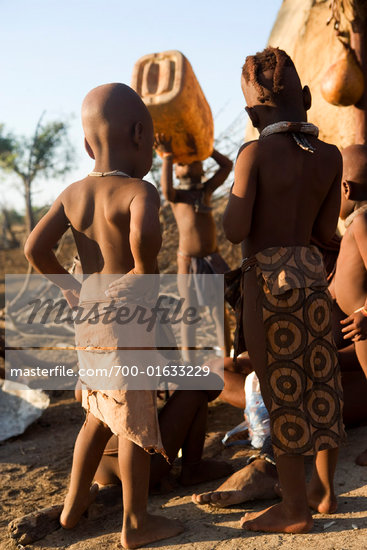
(39, 246)
(164, 146)
(145, 230)
(327, 218)
(238, 214)
(220, 176)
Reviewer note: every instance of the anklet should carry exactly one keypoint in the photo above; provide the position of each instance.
(262, 456)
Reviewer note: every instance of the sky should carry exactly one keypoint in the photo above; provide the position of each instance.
(54, 52)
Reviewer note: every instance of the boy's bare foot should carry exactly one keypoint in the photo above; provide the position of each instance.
(74, 508)
(278, 519)
(153, 529)
(255, 481)
(205, 470)
(361, 459)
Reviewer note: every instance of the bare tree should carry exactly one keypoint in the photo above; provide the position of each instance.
(48, 153)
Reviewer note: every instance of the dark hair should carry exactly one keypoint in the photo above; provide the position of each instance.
(269, 59)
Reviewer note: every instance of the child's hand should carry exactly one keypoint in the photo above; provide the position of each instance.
(134, 288)
(71, 296)
(355, 327)
(162, 143)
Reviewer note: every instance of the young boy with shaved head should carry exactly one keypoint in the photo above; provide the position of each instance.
(286, 189)
(114, 217)
(350, 280)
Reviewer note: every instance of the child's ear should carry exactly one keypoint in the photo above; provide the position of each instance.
(307, 98)
(137, 133)
(89, 149)
(254, 117)
(347, 189)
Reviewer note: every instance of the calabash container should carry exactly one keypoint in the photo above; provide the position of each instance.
(168, 86)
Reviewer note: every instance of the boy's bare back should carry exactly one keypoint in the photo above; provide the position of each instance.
(99, 210)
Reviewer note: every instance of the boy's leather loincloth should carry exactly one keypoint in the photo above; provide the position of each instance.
(131, 414)
(128, 413)
(302, 365)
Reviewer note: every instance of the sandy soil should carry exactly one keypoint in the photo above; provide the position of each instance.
(35, 467)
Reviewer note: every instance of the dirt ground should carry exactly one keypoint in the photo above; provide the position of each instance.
(35, 468)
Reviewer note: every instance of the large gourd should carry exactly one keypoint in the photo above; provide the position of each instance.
(343, 82)
(169, 88)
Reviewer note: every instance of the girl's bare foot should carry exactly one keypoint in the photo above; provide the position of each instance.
(278, 519)
(205, 470)
(154, 528)
(74, 508)
(320, 501)
(255, 481)
(361, 459)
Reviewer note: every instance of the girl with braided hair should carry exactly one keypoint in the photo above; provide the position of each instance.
(286, 190)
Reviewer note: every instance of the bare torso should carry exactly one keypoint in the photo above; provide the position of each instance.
(291, 186)
(350, 280)
(197, 230)
(98, 211)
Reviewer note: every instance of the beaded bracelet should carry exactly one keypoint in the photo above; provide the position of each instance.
(362, 309)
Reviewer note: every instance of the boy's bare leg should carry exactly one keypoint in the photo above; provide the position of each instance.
(234, 389)
(320, 490)
(354, 385)
(194, 468)
(292, 515)
(139, 528)
(88, 451)
(188, 331)
(222, 329)
(188, 334)
(186, 293)
(186, 431)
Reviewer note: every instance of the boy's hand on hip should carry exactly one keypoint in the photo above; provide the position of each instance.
(355, 327)
(135, 288)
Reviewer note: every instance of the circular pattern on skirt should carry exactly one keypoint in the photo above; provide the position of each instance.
(273, 257)
(290, 301)
(309, 259)
(320, 360)
(322, 406)
(286, 336)
(287, 382)
(317, 314)
(326, 439)
(290, 431)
